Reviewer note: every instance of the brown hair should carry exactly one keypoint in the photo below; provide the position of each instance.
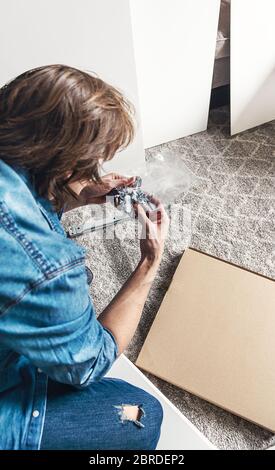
(56, 120)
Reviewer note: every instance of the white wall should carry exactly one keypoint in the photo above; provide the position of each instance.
(174, 42)
(90, 34)
(252, 63)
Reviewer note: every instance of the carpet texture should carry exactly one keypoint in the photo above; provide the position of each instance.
(232, 217)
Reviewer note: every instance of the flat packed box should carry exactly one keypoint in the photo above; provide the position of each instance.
(214, 336)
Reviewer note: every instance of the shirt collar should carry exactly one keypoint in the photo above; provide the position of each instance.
(44, 204)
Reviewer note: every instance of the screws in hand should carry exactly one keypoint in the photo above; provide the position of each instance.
(126, 196)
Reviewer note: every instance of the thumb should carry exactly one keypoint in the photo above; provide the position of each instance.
(123, 181)
(128, 181)
(148, 228)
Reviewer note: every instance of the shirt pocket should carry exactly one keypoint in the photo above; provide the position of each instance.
(22, 263)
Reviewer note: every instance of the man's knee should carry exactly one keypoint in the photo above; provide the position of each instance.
(154, 416)
(145, 413)
(146, 405)
(155, 408)
(132, 413)
(153, 412)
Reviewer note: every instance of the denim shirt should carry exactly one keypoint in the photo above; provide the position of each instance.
(48, 326)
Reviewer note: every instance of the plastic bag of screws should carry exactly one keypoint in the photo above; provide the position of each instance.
(125, 197)
(165, 176)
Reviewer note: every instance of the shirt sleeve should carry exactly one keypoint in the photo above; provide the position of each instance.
(55, 327)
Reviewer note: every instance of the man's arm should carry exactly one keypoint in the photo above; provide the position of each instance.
(54, 325)
(122, 315)
(88, 192)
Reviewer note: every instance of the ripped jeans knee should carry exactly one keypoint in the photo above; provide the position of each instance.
(133, 413)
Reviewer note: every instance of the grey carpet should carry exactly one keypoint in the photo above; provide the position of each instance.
(232, 209)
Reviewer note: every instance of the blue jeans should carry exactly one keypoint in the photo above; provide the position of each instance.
(93, 418)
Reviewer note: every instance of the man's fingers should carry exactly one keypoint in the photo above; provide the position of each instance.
(157, 215)
(145, 218)
(130, 180)
(140, 213)
(123, 181)
(115, 179)
(157, 203)
(154, 200)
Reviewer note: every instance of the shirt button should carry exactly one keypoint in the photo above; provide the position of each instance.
(35, 413)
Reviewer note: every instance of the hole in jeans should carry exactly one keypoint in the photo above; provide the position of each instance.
(132, 413)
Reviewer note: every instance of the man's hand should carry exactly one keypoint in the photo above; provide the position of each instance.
(89, 192)
(155, 226)
(122, 315)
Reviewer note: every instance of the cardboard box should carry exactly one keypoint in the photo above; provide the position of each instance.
(214, 336)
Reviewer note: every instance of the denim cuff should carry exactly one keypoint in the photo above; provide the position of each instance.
(114, 340)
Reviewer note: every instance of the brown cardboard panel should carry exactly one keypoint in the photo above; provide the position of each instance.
(214, 335)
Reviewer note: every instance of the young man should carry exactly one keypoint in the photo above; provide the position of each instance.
(57, 125)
